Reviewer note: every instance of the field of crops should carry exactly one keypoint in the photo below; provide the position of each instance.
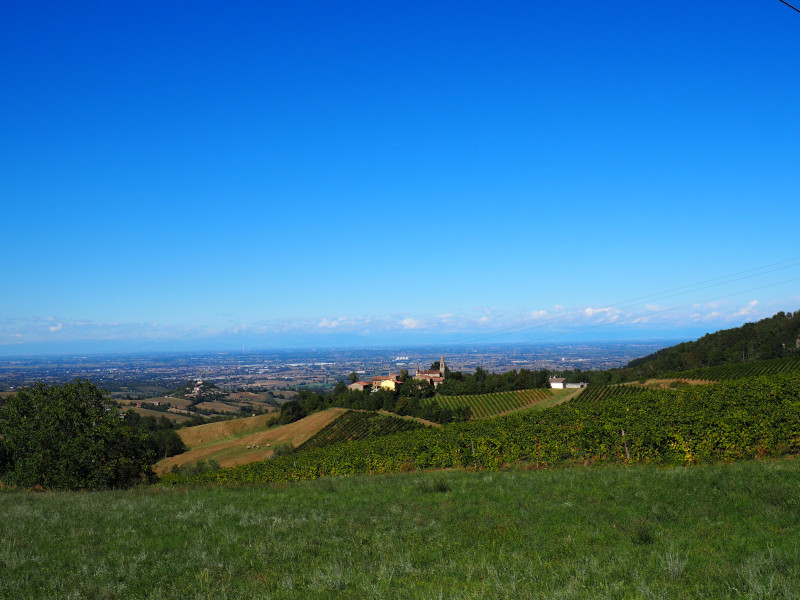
(359, 425)
(726, 421)
(741, 370)
(490, 405)
(617, 393)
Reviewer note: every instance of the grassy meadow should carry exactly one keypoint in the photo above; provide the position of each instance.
(718, 531)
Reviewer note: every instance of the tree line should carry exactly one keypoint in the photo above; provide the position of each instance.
(409, 400)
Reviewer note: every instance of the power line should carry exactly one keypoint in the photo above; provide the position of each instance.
(789, 5)
(627, 304)
(630, 319)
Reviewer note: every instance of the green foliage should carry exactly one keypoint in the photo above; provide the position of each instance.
(774, 337)
(483, 382)
(482, 406)
(417, 388)
(383, 399)
(742, 370)
(198, 468)
(728, 354)
(70, 437)
(161, 435)
(715, 532)
(283, 449)
(721, 422)
(434, 485)
(359, 425)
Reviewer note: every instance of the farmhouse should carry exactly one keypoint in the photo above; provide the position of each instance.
(557, 383)
(386, 382)
(359, 386)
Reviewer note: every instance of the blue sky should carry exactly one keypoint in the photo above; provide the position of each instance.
(310, 173)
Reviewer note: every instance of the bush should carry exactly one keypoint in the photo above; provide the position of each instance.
(282, 449)
(70, 437)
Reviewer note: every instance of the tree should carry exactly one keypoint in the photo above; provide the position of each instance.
(353, 377)
(417, 388)
(70, 437)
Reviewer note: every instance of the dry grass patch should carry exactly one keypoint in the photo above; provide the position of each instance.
(217, 406)
(177, 402)
(247, 396)
(146, 412)
(223, 430)
(239, 443)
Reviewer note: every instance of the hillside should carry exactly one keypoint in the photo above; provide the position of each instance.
(726, 421)
(484, 406)
(243, 441)
(774, 337)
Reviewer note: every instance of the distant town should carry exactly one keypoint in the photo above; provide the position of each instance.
(148, 375)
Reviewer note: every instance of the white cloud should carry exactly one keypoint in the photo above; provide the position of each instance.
(590, 312)
(449, 325)
(328, 324)
(748, 310)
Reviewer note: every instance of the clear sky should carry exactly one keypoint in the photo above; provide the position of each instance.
(212, 174)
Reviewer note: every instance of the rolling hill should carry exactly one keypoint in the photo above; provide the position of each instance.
(243, 441)
(775, 337)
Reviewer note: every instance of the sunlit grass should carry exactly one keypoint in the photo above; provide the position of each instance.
(726, 531)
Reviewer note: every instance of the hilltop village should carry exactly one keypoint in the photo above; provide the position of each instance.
(434, 377)
(393, 381)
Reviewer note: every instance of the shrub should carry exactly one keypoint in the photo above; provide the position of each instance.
(70, 437)
(282, 449)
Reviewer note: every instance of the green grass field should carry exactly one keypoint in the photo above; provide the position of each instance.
(720, 531)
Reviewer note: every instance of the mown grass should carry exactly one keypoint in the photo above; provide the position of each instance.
(721, 531)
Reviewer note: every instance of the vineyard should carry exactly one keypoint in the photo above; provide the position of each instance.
(726, 421)
(359, 425)
(490, 405)
(616, 393)
(741, 370)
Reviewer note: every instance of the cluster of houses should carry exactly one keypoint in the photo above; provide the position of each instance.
(392, 381)
(435, 377)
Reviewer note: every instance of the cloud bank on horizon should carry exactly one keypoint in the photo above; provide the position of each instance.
(483, 325)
